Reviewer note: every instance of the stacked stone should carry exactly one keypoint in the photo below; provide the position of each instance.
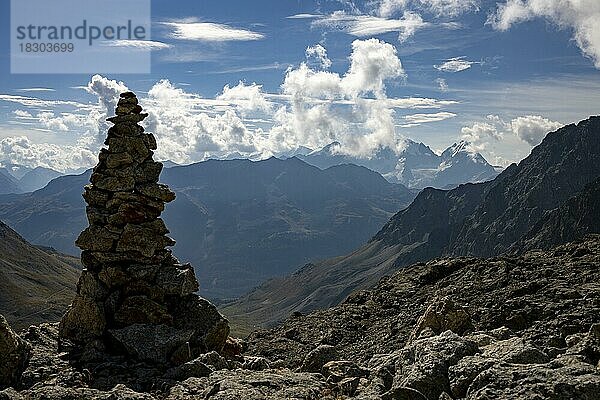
(133, 296)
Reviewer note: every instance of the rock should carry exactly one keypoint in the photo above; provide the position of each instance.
(423, 365)
(147, 172)
(124, 129)
(177, 281)
(256, 363)
(151, 342)
(96, 238)
(129, 118)
(515, 351)
(336, 371)
(234, 347)
(348, 386)
(14, 355)
(403, 393)
(83, 320)
(191, 369)
(123, 109)
(142, 310)
(134, 299)
(157, 191)
(116, 160)
(443, 315)
(245, 384)
(142, 239)
(213, 360)
(134, 146)
(314, 361)
(210, 328)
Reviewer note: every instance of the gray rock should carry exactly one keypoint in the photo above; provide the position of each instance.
(336, 371)
(314, 361)
(150, 342)
(14, 355)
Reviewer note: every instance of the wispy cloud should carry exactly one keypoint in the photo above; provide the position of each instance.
(210, 32)
(137, 44)
(304, 16)
(36, 89)
(414, 119)
(366, 25)
(455, 64)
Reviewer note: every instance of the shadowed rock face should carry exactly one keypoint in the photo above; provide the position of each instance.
(134, 297)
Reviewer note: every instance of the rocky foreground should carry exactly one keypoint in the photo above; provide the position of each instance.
(504, 328)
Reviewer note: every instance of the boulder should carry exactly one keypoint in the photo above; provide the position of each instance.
(14, 355)
(314, 361)
(151, 342)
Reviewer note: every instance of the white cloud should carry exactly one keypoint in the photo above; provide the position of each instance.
(581, 16)
(317, 55)
(366, 25)
(533, 128)
(246, 97)
(22, 114)
(449, 8)
(442, 84)
(455, 64)
(496, 135)
(20, 150)
(38, 103)
(314, 108)
(479, 134)
(210, 32)
(426, 118)
(304, 16)
(37, 89)
(137, 44)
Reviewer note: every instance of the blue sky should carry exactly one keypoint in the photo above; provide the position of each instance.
(496, 73)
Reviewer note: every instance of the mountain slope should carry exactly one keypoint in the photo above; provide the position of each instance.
(415, 165)
(35, 286)
(238, 222)
(576, 217)
(37, 178)
(473, 219)
(8, 184)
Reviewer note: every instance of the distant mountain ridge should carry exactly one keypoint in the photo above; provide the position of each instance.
(415, 166)
(534, 201)
(238, 222)
(19, 179)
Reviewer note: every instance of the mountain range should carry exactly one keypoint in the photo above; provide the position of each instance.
(238, 222)
(550, 197)
(36, 284)
(21, 179)
(415, 165)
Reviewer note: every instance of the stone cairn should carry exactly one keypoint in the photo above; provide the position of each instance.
(134, 298)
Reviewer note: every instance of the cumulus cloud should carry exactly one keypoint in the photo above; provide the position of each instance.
(313, 108)
(20, 150)
(246, 97)
(455, 64)
(580, 16)
(367, 25)
(533, 128)
(317, 56)
(210, 32)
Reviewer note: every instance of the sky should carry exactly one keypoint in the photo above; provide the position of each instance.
(238, 78)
